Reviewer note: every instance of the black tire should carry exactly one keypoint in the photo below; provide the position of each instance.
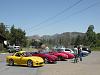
(55, 62)
(59, 58)
(11, 62)
(30, 63)
(45, 60)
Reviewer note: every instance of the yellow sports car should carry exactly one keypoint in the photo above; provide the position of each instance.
(24, 58)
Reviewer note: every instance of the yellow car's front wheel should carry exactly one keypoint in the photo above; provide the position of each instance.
(11, 62)
(29, 63)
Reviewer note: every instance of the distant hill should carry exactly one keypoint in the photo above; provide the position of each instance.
(34, 37)
(65, 34)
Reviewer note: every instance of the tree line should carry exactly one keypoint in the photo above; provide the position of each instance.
(17, 36)
(90, 39)
(14, 36)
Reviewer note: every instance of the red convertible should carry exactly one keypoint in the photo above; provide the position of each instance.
(70, 55)
(47, 57)
(61, 50)
(61, 56)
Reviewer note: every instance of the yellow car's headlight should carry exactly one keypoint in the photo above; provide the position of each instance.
(36, 61)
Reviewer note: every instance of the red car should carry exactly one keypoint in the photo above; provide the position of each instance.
(61, 56)
(47, 57)
(61, 50)
(70, 55)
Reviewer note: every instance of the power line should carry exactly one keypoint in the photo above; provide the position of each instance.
(60, 13)
(92, 5)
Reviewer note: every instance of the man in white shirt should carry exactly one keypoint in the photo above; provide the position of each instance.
(75, 54)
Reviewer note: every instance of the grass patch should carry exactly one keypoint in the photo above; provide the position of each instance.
(0, 61)
(96, 49)
(3, 51)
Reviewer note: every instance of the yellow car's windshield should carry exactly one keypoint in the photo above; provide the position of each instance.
(26, 54)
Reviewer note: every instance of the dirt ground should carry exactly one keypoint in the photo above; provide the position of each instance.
(89, 66)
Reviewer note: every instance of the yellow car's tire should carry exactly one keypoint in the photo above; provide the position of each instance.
(11, 62)
(30, 63)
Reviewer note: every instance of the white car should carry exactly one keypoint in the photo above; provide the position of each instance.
(68, 50)
(17, 48)
(12, 49)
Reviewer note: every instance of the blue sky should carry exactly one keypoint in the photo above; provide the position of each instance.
(32, 15)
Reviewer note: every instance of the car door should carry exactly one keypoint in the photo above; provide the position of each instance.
(17, 58)
(24, 58)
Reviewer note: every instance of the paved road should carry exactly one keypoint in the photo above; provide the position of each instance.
(89, 66)
(15, 70)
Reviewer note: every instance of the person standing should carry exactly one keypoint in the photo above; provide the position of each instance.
(75, 54)
(47, 48)
(80, 52)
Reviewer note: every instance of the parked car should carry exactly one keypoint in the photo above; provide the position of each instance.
(86, 49)
(12, 49)
(24, 58)
(69, 52)
(47, 57)
(84, 52)
(63, 49)
(17, 48)
(60, 56)
(70, 55)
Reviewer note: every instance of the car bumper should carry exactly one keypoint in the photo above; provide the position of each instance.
(38, 64)
(52, 61)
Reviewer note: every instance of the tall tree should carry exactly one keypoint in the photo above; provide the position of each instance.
(17, 36)
(78, 40)
(98, 40)
(91, 35)
(98, 36)
(2, 29)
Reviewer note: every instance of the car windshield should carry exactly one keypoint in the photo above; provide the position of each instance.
(26, 54)
(67, 50)
(39, 52)
(43, 52)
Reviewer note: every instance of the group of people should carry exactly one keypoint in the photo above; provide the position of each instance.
(77, 53)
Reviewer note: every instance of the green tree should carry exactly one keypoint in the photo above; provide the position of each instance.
(98, 40)
(98, 36)
(2, 29)
(36, 44)
(17, 36)
(90, 36)
(78, 40)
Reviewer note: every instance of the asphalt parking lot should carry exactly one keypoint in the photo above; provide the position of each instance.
(89, 66)
(15, 70)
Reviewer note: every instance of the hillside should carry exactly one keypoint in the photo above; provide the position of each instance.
(65, 35)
